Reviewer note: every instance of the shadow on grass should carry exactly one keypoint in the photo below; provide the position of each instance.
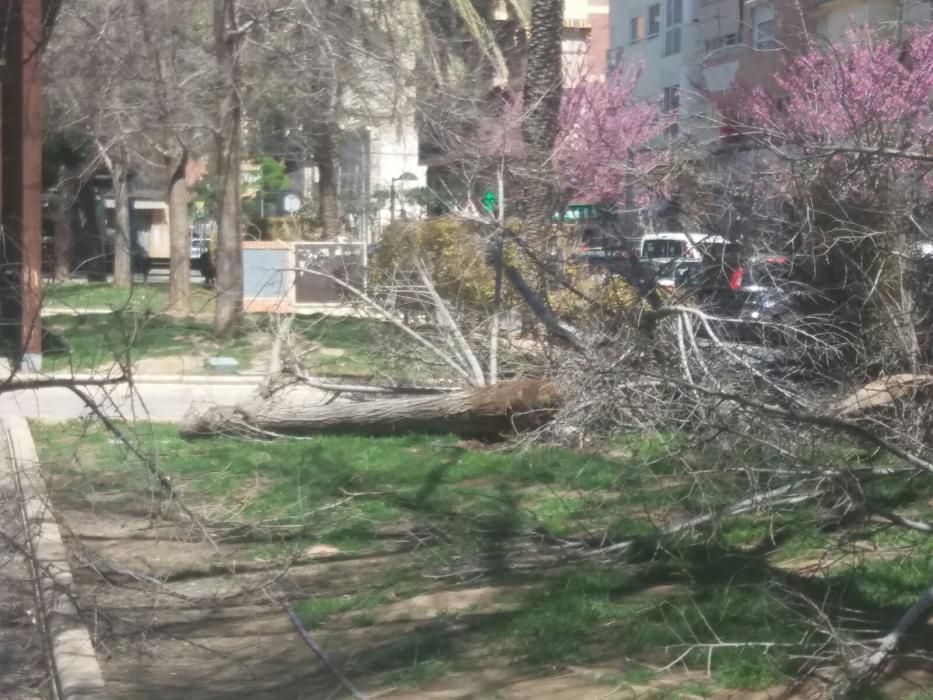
(720, 586)
(653, 609)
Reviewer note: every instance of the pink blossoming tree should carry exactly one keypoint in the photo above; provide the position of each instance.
(853, 132)
(608, 140)
(860, 107)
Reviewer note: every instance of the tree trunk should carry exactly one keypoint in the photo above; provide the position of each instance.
(323, 145)
(179, 272)
(63, 241)
(122, 252)
(90, 243)
(487, 412)
(542, 97)
(228, 313)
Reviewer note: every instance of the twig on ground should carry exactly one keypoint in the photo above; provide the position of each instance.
(316, 648)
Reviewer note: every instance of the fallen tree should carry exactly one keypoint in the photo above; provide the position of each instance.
(484, 412)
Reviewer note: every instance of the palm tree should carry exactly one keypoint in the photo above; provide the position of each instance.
(542, 96)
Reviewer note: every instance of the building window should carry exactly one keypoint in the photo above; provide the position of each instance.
(637, 29)
(675, 12)
(670, 101)
(654, 20)
(672, 41)
(763, 27)
(675, 17)
(722, 41)
(614, 59)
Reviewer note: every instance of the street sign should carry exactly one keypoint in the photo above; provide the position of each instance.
(292, 203)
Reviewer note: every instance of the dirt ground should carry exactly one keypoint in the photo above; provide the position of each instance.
(175, 618)
(23, 673)
(172, 621)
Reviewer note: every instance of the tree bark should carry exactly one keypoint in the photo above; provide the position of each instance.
(64, 238)
(122, 253)
(487, 413)
(542, 97)
(93, 232)
(324, 148)
(179, 273)
(228, 312)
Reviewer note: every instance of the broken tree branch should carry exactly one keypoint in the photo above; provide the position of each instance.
(485, 413)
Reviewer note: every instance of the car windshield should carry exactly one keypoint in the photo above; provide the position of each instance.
(662, 249)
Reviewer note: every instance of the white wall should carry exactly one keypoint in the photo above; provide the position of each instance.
(394, 150)
(658, 71)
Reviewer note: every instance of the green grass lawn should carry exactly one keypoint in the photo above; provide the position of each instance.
(486, 511)
(87, 341)
(359, 348)
(136, 329)
(367, 349)
(81, 339)
(140, 297)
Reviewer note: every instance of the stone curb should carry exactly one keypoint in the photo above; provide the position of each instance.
(74, 663)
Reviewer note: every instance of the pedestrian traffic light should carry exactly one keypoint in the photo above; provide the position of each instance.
(489, 202)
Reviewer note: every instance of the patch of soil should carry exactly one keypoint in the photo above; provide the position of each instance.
(506, 682)
(175, 618)
(489, 599)
(23, 673)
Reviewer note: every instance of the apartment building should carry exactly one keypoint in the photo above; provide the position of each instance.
(585, 42)
(691, 52)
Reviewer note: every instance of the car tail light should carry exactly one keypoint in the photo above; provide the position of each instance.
(735, 281)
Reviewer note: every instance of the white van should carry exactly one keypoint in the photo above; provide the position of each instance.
(667, 249)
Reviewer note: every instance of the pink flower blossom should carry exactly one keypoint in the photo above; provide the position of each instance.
(867, 93)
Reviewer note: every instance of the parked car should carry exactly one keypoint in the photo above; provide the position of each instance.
(675, 256)
(767, 299)
(199, 244)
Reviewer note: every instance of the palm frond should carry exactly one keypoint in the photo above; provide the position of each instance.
(522, 11)
(480, 31)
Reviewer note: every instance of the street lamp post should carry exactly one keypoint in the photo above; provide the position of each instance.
(404, 177)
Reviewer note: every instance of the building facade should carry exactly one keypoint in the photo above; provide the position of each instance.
(691, 53)
(585, 43)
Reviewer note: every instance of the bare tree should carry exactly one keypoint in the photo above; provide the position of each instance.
(228, 315)
(173, 65)
(139, 93)
(117, 160)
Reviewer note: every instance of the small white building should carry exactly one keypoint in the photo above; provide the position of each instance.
(149, 221)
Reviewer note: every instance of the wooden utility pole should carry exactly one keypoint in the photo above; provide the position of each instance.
(21, 201)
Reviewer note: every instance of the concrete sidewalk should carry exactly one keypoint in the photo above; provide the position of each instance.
(249, 378)
(164, 400)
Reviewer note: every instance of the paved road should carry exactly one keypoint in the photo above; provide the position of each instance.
(158, 401)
